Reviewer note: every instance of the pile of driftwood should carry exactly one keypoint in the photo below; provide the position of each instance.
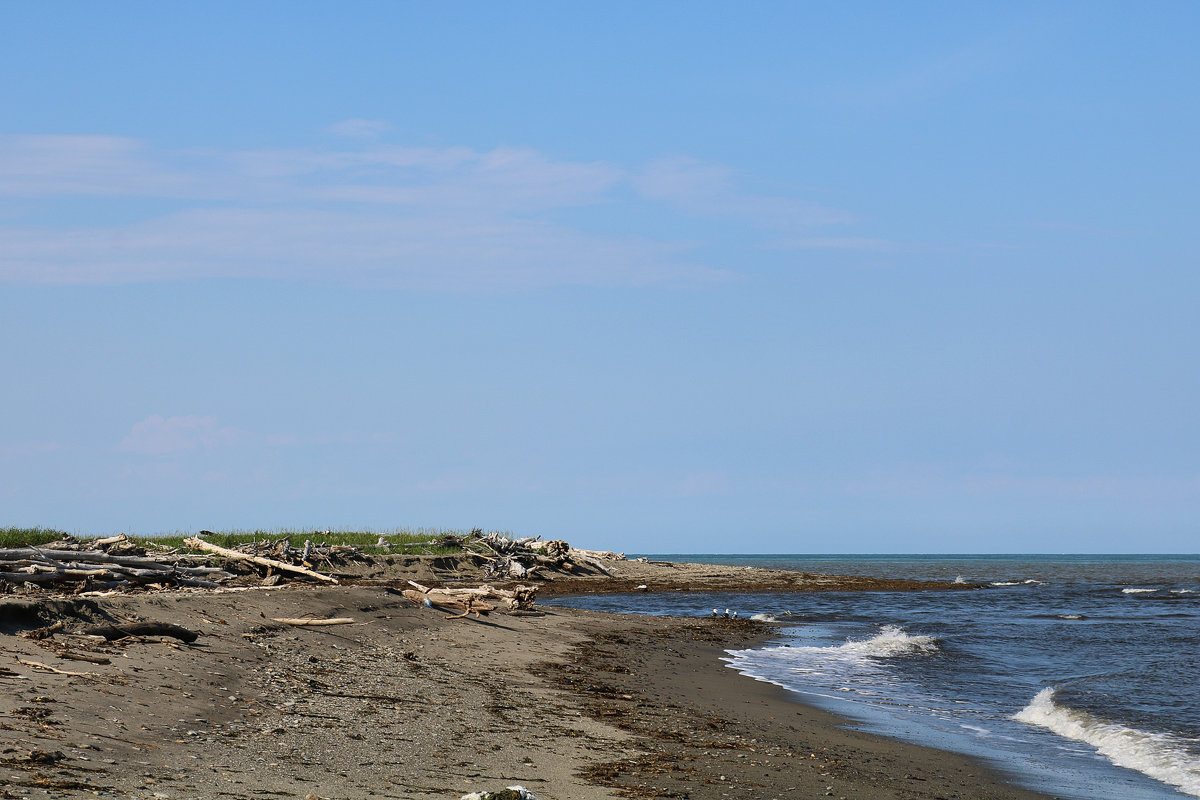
(523, 558)
(102, 564)
(116, 563)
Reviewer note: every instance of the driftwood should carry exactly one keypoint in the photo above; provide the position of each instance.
(112, 632)
(520, 558)
(44, 632)
(473, 606)
(55, 670)
(73, 656)
(468, 603)
(477, 598)
(70, 563)
(308, 622)
(200, 544)
(90, 556)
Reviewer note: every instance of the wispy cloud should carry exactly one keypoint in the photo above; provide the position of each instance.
(360, 128)
(167, 436)
(87, 166)
(435, 217)
(713, 191)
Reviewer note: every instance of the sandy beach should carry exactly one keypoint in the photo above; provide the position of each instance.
(405, 703)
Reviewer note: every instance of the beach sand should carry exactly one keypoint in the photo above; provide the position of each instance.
(405, 703)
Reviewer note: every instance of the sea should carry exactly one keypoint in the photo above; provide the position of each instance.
(1075, 675)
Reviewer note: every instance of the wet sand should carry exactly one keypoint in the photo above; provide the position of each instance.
(405, 703)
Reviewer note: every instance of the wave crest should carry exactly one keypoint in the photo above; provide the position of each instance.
(1157, 755)
(892, 640)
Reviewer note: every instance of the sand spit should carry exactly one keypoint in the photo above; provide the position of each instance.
(405, 703)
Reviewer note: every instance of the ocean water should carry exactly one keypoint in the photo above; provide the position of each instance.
(1079, 676)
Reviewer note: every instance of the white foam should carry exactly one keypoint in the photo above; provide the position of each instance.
(763, 617)
(1183, 591)
(1157, 755)
(1138, 591)
(1007, 583)
(891, 640)
(960, 579)
(1070, 616)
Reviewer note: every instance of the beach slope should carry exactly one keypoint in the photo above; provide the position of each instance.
(405, 703)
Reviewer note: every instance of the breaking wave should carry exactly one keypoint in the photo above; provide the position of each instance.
(1138, 591)
(892, 640)
(1160, 756)
(780, 665)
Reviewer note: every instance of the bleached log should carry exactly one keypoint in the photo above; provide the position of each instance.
(520, 597)
(307, 622)
(473, 606)
(262, 562)
(469, 603)
(575, 556)
(55, 670)
(599, 555)
(487, 590)
(89, 556)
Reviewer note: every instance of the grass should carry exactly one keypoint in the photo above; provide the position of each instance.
(25, 537)
(398, 540)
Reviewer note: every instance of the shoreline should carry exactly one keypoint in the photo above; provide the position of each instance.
(405, 703)
(711, 732)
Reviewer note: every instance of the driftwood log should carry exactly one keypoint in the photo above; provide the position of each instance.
(472, 600)
(234, 555)
(309, 622)
(468, 604)
(520, 558)
(58, 566)
(113, 632)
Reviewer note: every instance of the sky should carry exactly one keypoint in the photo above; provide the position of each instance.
(653, 277)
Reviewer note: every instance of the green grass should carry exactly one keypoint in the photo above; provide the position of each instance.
(399, 540)
(26, 537)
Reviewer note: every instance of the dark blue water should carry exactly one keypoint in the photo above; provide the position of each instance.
(1076, 674)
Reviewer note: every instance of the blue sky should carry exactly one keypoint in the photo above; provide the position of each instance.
(776, 277)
